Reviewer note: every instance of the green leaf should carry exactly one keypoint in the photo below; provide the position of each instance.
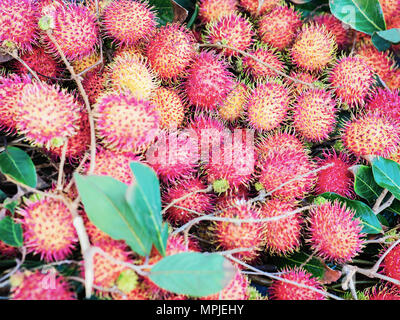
(16, 163)
(3, 196)
(363, 15)
(395, 207)
(144, 199)
(11, 232)
(365, 185)
(369, 219)
(392, 35)
(10, 205)
(164, 9)
(380, 43)
(193, 273)
(387, 175)
(104, 201)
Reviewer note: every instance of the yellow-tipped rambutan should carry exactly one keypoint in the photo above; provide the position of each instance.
(210, 10)
(334, 232)
(233, 107)
(335, 26)
(257, 8)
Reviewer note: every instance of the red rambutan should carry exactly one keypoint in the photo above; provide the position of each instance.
(383, 292)
(391, 263)
(301, 75)
(258, 8)
(385, 102)
(233, 106)
(335, 26)
(210, 10)
(94, 85)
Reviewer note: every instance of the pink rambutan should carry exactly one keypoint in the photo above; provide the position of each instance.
(336, 178)
(209, 81)
(314, 115)
(94, 85)
(124, 123)
(171, 51)
(257, 8)
(36, 285)
(335, 26)
(334, 232)
(128, 21)
(48, 228)
(233, 107)
(192, 199)
(385, 102)
(278, 28)
(391, 263)
(383, 292)
(390, 8)
(210, 10)
(281, 290)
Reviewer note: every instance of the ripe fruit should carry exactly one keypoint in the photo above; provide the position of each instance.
(128, 21)
(36, 285)
(393, 81)
(233, 30)
(351, 78)
(282, 235)
(304, 76)
(47, 114)
(390, 8)
(209, 81)
(233, 107)
(86, 62)
(170, 107)
(124, 123)
(334, 26)
(48, 228)
(94, 85)
(18, 23)
(385, 102)
(391, 263)
(210, 10)
(336, 178)
(314, 115)
(254, 8)
(198, 201)
(75, 30)
(281, 290)
(278, 27)
(383, 292)
(371, 134)
(314, 48)
(171, 51)
(268, 105)
(334, 232)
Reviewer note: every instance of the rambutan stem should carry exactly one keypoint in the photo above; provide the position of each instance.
(378, 263)
(379, 200)
(61, 167)
(14, 54)
(78, 169)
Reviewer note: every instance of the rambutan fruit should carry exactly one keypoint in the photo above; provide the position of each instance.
(351, 79)
(192, 199)
(237, 289)
(128, 21)
(267, 55)
(124, 123)
(282, 236)
(171, 51)
(136, 49)
(301, 75)
(130, 72)
(18, 23)
(86, 62)
(268, 105)
(210, 10)
(334, 26)
(48, 228)
(390, 8)
(94, 84)
(314, 48)
(233, 30)
(280, 166)
(385, 102)
(281, 290)
(233, 107)
(393, 79)
(391, 264)
(383, 292)
(40, 62)
(44, 7)
(337, 178)
(314, 115)
(209, 81)
(233, 235)
(138, 293)
(278, 28)
(102, 4)
(257, 8)
(371, 134)
(334, 232)
(36, 285)
(173, 156)
(170, 107)
(47, 115)
(75, 30)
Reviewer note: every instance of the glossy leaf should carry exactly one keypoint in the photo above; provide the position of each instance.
(11, 232)
(391, 35)
(164, 9)
(380, 43)
(365, 185)
(387, 175)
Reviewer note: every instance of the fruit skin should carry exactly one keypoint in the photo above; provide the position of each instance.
(268, 105)
(200, 202)
(171, 51)
(233, 30)
(18, 23)
(278, 27)
(314, 48)
(75, 30)
(280, 290)
(283, 235)
(124, 123)
(128, 21)
(233, 107)
(334, 232)
(210, 10)
(47, 114)
(385, 102)
(208, 82)
(48, 228)
(87, 62)
(393, 81)
(391, 264)
(391, 9)
(371, 134)
(304, 76)
(383, 292)
(337, 178)
(39, 286)
(94, 84)
(351, 78)
(314, 115)
(335, 26)
(252, 6)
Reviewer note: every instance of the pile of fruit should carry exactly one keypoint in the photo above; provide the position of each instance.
(257, 120)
